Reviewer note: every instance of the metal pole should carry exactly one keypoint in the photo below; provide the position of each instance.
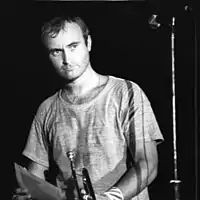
(175, 181)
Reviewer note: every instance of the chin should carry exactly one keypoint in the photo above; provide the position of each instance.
(69, 79)
(71, 76)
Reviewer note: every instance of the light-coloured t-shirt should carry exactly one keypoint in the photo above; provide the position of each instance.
(97, 131)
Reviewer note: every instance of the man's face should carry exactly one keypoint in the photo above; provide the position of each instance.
(69, 53)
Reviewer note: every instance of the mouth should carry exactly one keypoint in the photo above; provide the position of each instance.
(66, 68)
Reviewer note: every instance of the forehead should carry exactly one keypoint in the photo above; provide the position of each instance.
(71, 33)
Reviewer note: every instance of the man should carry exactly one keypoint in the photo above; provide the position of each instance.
(107, 121)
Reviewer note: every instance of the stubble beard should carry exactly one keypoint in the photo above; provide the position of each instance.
(70, 75)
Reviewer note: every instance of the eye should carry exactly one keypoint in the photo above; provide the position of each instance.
(55, 52)
(73, 47)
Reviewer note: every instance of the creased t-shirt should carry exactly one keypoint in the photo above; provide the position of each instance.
(97, 131)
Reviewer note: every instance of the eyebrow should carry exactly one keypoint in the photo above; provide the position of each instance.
(73, 43)
(59, 49)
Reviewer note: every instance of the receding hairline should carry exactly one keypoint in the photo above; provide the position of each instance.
(52, 28)
(66, 27)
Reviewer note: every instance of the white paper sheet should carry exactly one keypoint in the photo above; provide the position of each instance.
(37, 187)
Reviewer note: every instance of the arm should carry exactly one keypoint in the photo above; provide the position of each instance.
(142, 131)
(144, 171)
(37, 170)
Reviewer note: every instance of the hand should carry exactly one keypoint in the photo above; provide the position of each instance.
(101, 197)
(98, 196)
(21, 194)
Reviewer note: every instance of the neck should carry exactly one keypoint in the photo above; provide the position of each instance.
(87, 81)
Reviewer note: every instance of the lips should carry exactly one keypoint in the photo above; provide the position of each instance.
(67, 68)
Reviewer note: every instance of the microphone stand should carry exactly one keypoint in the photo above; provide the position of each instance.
(175, 181)
(154, 24)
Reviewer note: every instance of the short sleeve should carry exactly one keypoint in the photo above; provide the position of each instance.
(142, 123)
(36, 147)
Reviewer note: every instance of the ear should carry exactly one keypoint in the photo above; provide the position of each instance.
(89, 43)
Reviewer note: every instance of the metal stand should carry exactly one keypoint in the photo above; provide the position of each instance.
(175, 181)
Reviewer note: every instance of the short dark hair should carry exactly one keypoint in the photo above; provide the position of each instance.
(55, 25)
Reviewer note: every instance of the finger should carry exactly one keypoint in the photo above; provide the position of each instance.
(24, 197)
(14, 197)
(29, 196)
(22, 190)
(21, 197)
(83, 191)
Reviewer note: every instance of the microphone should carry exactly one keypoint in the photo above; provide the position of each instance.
(88, 188)
(188, 8)
(154, 24)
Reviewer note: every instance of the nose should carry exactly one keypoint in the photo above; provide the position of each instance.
(65, 57)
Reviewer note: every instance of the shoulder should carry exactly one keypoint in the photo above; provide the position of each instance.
(125, 86)
(129, 92)
(47, 105)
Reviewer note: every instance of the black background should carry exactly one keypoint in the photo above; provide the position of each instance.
(123, 45)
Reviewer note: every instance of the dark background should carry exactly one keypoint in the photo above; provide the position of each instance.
(124, 45)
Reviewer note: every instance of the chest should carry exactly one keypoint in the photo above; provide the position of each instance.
(94, 128)
(95, 131)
